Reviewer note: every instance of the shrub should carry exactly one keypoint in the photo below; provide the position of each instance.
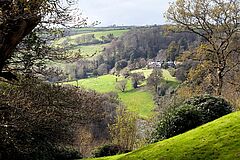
(164, 88)
(211, 107)
(121, 85)
(67, 153)
(108, 150)
(136, 79)
(123, 130)
(192, 113)
(172, 71)
(103, 69)
(155, 79)
(121, 64)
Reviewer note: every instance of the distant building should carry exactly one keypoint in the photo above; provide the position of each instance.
(157, 64)
(171, 64)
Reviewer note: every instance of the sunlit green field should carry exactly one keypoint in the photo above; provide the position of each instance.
(146, 72)
(137, 100)
(101, 84)
(98, 35)
(88, 51)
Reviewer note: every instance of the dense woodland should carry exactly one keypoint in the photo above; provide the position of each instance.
(44, 117)
(134, 50)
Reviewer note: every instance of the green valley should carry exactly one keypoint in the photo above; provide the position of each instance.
(115, 80)
(138, 100)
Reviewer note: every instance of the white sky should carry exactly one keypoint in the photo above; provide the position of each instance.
(124, 12)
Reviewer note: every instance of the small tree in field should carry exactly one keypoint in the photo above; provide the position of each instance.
(217, 22)
(121, 85)
(155, 79)
(136, 79)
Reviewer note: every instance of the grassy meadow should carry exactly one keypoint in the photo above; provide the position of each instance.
(98, 35)
(138, 100)
(146, 72)
(218, 139)
(87, 50)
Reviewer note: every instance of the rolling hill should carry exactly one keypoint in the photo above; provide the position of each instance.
(87, 48)
(218, 139)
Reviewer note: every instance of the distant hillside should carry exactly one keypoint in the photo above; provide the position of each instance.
(74, 31)
(99, 51)
(215, 140)
(88, 41)
(153, 42)
(97, 34)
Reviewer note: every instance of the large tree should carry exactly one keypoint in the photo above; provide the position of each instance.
(18, 20)
(36, 118)
(155, 79)
(218, 23)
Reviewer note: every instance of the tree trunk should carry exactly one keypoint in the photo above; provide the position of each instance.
(12, 33)
(219, 82)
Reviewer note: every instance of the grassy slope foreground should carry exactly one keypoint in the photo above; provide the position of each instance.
(219, 139)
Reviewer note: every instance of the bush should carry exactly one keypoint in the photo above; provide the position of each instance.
(67, 153)
(172, 71)
(123, 130)
(121, 85)
(192, 113)
(103, 69)
(121, 64)
(136, 79)
(164, 88)
(211, 107)
(109, 150)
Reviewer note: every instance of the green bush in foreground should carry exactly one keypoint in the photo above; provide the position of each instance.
(109, 150)
(192, 113)
(67, 153)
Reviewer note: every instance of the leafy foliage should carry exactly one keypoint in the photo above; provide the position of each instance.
(192, 113)
(37, 117)
(121, 85)
(124, 129)
(155, 78)
(67, 153)
(108, 150)
(137, 78)
(24, 32)
(217, 23)
(144, 43)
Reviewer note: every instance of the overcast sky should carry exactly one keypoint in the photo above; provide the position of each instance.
(125, 12)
